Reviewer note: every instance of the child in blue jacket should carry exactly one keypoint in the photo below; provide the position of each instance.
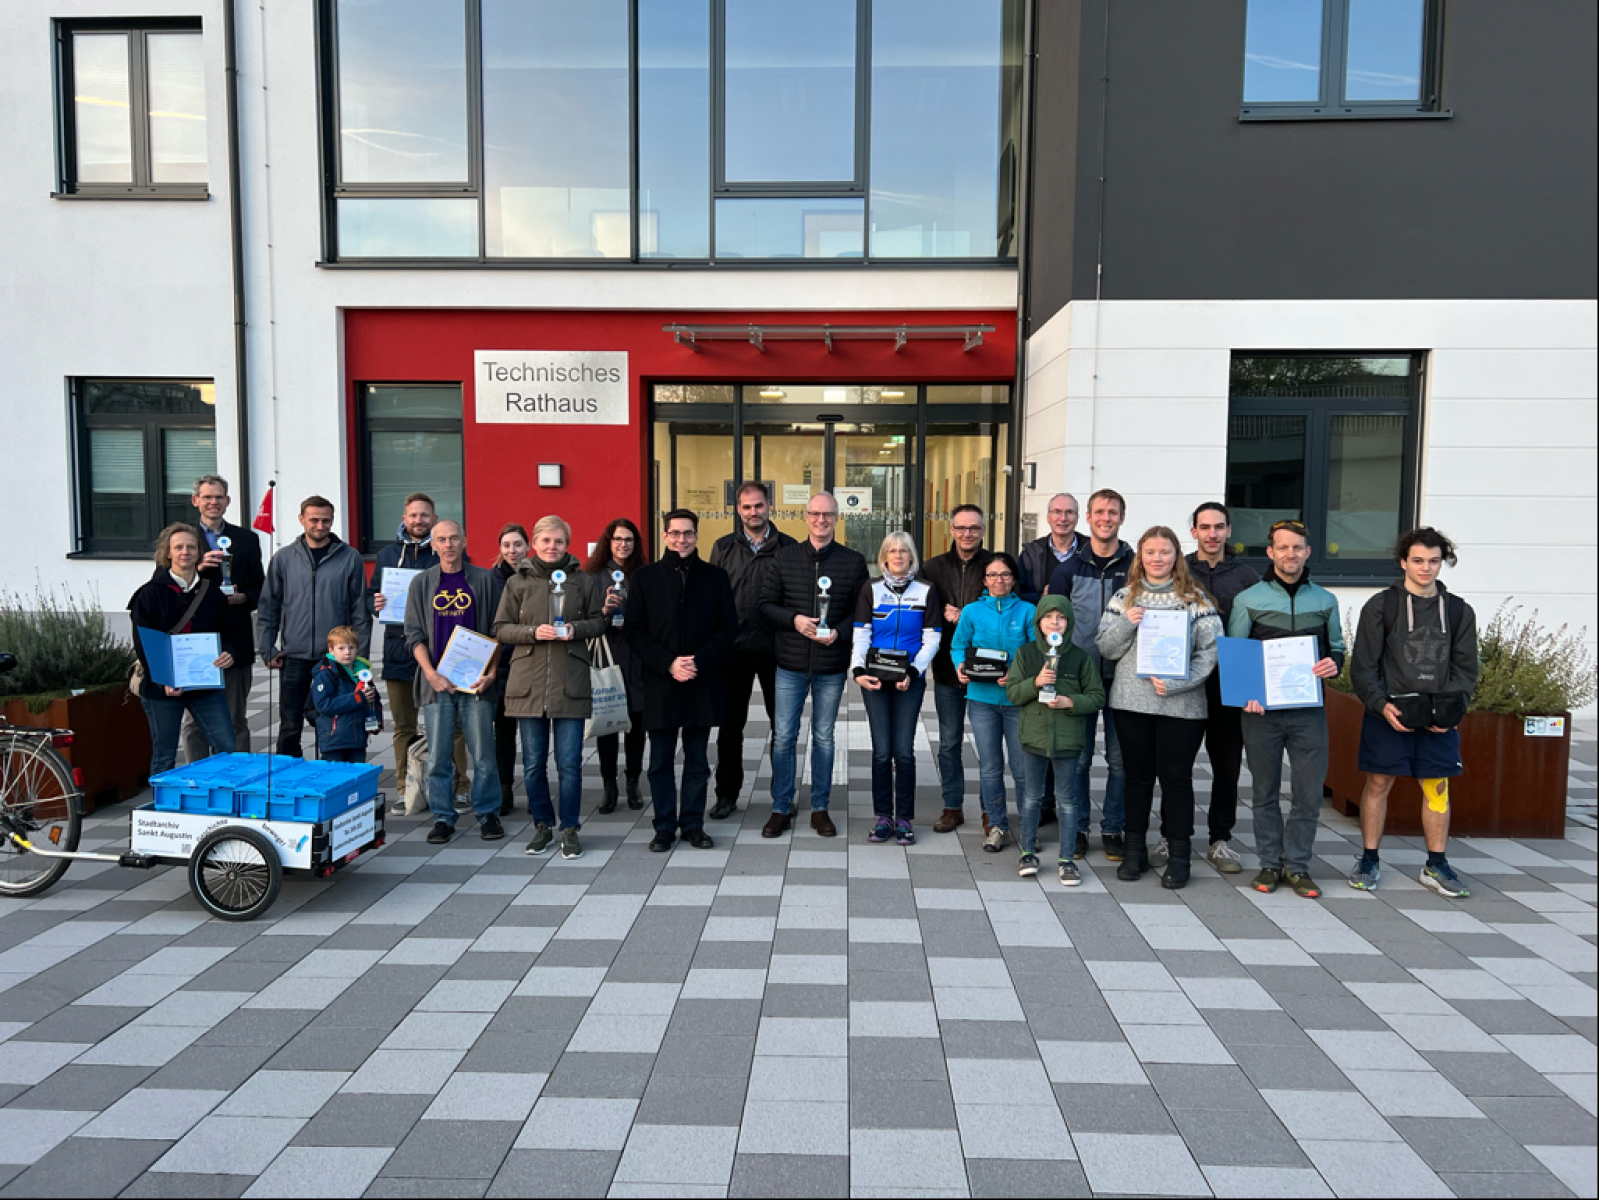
(343, 699)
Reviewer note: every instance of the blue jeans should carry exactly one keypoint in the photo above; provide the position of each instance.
(210, 711)
(568, 733)
(893, 716)
(1031, 804)
(1114, 817)
(825, 692)
(997, 729)
(474, 717)
(950, 701)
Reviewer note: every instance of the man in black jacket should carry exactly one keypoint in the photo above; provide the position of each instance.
(1224, 577)
(746, 555)
(680, 622)
(807, 599)
(245, 576)
(958, 576)
(1039, 559)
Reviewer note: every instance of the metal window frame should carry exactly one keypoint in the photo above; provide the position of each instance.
(368, 542)
(1318, 414)
(151, 426)
(1332, 104)
(143, 186)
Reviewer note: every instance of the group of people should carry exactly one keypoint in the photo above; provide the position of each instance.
(1033, 653)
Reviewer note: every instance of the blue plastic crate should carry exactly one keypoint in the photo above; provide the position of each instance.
(210, 786)
(309, 791)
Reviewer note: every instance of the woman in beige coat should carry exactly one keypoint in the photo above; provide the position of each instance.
(549, 610)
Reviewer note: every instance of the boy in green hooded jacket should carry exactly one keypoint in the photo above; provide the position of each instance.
(1053, 704)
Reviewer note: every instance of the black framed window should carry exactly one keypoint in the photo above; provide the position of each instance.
(1331, 440)
(141, 444)
(411, 443)
(1342, 58)
(131, 109)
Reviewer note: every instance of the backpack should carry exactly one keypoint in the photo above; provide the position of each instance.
(1444, 710)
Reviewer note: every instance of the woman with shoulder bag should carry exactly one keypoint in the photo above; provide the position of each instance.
(184, 595)
(618, 553)
(986, 639)
(1161, 722)
(548, 612)
(514, 545)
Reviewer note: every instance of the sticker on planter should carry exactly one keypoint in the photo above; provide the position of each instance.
(1554, 727)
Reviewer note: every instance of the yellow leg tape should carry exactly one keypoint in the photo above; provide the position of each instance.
(1437, 793)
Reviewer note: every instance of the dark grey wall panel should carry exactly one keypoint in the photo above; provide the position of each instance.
(1499, 201)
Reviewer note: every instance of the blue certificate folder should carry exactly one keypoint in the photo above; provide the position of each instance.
(184, 660)
(1242, 663)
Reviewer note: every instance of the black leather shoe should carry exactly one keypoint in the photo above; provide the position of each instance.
(507, 805)
(699, 839)
(441, 833)
(491, 829)
(721, 810)
(777, 825)
(634, 800)
(661, 843)
(608, 804)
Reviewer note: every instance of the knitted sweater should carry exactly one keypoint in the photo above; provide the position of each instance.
(1118, 637)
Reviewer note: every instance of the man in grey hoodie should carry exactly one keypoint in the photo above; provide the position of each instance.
(315, 583)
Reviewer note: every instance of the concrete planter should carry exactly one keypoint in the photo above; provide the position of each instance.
(1514, 785)
(112, 747)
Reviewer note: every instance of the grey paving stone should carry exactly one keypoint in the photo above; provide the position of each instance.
(732, 955)
(1112, 1108)
(988, 1039)
(790, 1175)
(245, 1144)
(87, 1167)
(901, 1104)
(555, 1173)
(1490, 1074)
(890, 986)
(740, 1017)
(805, 1000)
(891, 956)
(1184, 1085)
(327, 1050)
(363, 1120)
(153, 1114)
(811, 941)
(1465, 1145)
(79, 1023)
(897, 1059)
(1540, 1120)
(692, 1100)
(159, 1185)
(274, 1027)
(705, 1055)
(453, 1150)
(1329, 1012)
(1238, 1028)
(364, 1010)
(575, 953)
(1290, 1068)
(521, 1014)
(428, 1189)
(1005, 1177)
(1508, 1016)
(82, 1089)
(1224, 1138)
(643, 968)
(533, 1052)
(1491, 1186)
(211, 1066)
(600, 1076)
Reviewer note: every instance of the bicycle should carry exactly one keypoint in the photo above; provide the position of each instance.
(39, 803)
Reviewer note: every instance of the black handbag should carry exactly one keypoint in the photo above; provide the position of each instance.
(888, 666)
(987, 666)
(1415, 709)
(1449, 709)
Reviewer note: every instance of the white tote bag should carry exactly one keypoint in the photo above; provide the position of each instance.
(609, 685)
(415, 797)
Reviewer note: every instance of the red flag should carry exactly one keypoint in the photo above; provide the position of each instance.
(263, 515)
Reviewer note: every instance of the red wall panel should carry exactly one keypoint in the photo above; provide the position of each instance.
(605, 469)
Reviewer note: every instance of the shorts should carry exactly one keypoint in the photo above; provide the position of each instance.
(1415, 754)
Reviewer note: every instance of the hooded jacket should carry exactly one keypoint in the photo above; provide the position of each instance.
(746, 572)
(991, 624)
(303, 599)
(340, 713)
(789, 590)
(549, 679)
(1118, 637)
(1224, 581)
(484, 585)
(398, 664)
(1431, 646)
(1090, 588)
(1055, 732)
(959, 583)
(158, 605)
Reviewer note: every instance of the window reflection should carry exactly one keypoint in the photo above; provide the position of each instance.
(810, 228)
(936, 89)
(177, 107)
(674, 139)
(555, 129)
(1265, 475)
(1282, 51)
(1365, 473)
(402, 91)
(100, 107)
(1384, 50)
(407, 228)
(790, 91)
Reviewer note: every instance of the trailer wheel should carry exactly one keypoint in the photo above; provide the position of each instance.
(235, 873)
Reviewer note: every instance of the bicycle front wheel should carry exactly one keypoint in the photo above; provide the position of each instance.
(39, 799)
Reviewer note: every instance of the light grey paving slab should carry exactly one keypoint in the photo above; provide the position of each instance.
(570, 1123)
(142, 1046)
(467, 996)
(892, 1019)
(28, 1063)
(314, 993)
(134, 991)
(1176, 1044)
(805, 1037)
(193, 1008)
(619, 1033)
(1335, 1116)
(27, 1135)
(1248, 1182)
(977, 1004)
(778, 1078)
(1091, 1062)
(404, 1072)
(1412, 1094)
(1574, 1166)
(768, 1127)
(1363, 1050)
(160, 1114)
(996, 1131)
(928, 1160)
(666, 1154)
(1147, 1164)
(1243, 994)
(1568, 1053)
(427, 952)
(437, 1031)
(1373, 1169)
(473, 1096)
(320, 1171)
(644, 999)
(284, 1094)
(999, 1081)
(229, 1145)
(1153, 1008)
(561, 981)
(724, 983)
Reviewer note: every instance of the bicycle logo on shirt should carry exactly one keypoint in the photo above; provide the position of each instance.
(456, 602)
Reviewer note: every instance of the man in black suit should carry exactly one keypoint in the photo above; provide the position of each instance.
(680, 623)
(238, 627)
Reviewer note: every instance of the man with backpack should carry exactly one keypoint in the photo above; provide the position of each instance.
(1415, 667)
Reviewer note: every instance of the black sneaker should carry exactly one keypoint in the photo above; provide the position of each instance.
(1080, 847)
(441, 833)
(1115, 846)
(490, 830)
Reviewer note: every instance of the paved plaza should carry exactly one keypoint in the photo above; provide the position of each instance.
(805, 1017)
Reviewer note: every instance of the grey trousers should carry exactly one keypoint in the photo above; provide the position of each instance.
(236, 682)
(1302, 732)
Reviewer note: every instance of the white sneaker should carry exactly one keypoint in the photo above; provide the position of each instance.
(1160, 855)
(1224, 858)
(996, 840)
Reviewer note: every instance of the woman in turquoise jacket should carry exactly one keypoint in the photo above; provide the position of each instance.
(997, 622)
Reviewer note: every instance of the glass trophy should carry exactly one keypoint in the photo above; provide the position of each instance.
(620, 580)
(822, 630)
(558, 605)
(1046, 694)
(372, 723)
(225, 544)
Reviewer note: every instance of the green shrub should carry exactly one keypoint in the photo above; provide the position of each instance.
(1530, 668)
(62, 644)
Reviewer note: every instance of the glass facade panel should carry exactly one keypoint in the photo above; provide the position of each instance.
(116, 483)
(674, 130)
(387, 401)
(402, 91)
(1365, 478)
(789, 109)
(965, 465)
(406, 462)
(1384, 50)
(119, 397)
(555, 129)
(875, 485)
(1265, 475)
(699, 476)
(829, 394)
(810, 228)
(410, 227)
(936, 99)
(1311, 378)
(794, 458)
(177, 107)
(1282, 51)
(101, 108)
(968, 393)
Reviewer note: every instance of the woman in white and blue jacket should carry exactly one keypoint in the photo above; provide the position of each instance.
(895, 612)
(999, 621)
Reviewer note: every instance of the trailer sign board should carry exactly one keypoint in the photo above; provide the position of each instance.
(175, 834)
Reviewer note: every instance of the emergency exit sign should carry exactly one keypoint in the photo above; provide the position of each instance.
(551, 387)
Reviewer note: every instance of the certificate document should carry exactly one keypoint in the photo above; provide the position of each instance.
(182, 660)
(1290, 682)
(1163, 644)
(466, 658)
(395, 586)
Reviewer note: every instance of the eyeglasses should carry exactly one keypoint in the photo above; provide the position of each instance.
(821, 516)
(682, 533)
(967, 528)
(621, 540)
(998, 575)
